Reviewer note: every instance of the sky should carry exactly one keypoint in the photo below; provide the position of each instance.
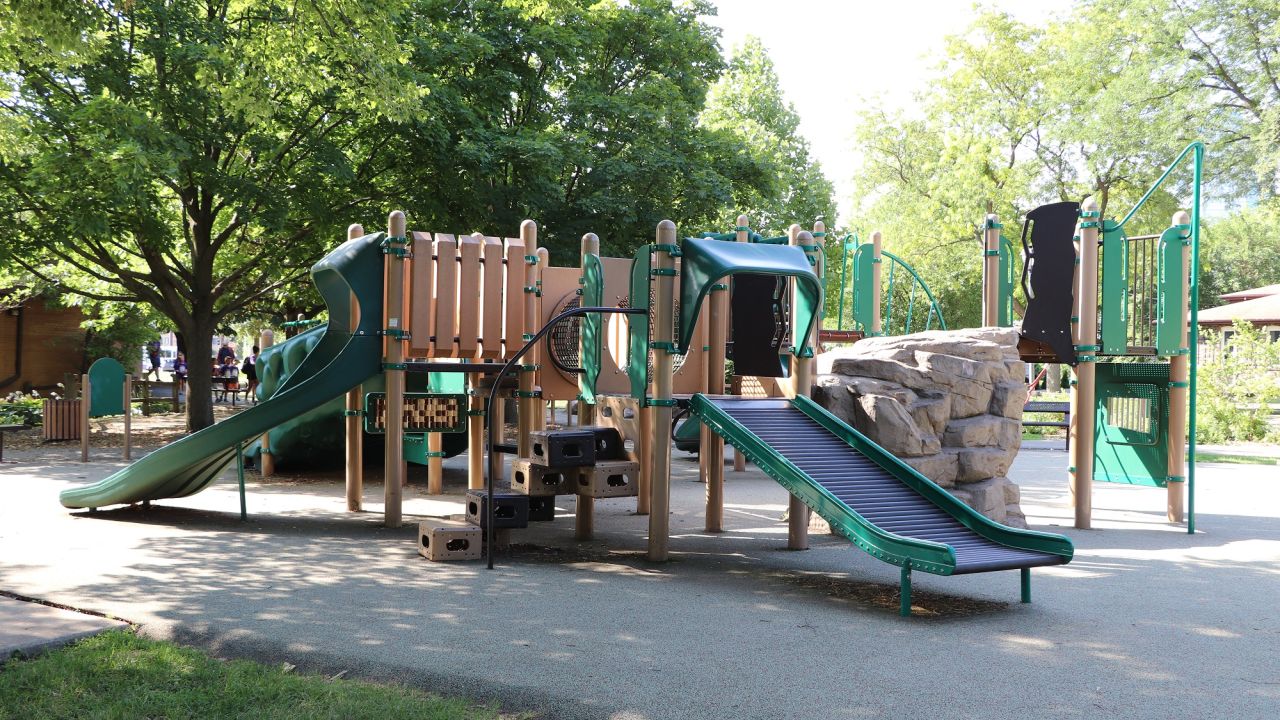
(832, 55)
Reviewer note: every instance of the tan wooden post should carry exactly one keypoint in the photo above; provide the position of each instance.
(475, 441)
(1179, 390)
(711, 453)
(585, 508)
(267, 461)
(802, 383)
(354, 428)
(660, 384)
(742, 234)
(877, 245)
(128, 414)
(85, 390)
(1083, 394)
(991, 272)
(435, 461)
(393, 279)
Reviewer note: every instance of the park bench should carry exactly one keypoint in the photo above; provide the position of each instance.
(1061, 408)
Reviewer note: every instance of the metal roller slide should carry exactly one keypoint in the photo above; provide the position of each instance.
(883, 505)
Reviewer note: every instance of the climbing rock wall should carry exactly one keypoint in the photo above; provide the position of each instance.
(949, 403)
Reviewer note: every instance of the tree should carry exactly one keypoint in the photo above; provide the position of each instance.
(193, 156)
(747, 102)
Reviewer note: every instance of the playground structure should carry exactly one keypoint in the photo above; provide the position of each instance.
(1116, 308)
(469, 311)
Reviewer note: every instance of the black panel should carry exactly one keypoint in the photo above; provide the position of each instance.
(1050, 265)
(759, 305)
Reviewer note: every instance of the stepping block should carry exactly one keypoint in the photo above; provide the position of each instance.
(608, 442)
(529, 478)
(563, 448)
(442, 540)
(510, 510)
(609, 478)
(542, 508)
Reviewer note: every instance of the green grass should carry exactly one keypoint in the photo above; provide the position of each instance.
(120, 675)
(1235, 459)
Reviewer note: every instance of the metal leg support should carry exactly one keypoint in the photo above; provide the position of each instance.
(1026, 584)
(244, 515)
(904, 592)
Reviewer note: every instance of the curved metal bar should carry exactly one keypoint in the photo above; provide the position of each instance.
(493, 394)
(1198, 147)
(916, 276)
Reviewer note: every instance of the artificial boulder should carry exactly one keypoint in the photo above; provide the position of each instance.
(947, 402)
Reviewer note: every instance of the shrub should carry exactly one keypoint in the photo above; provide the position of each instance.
(1236, 383)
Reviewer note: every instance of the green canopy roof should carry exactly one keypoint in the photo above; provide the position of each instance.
(705, 262)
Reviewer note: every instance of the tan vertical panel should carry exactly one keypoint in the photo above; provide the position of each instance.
(1179, 392)
(991, 272)
(421, 296)
(513, 301)
(394, 466)
(491, 305)
(469, 294)
(742, 234)
(475, 433)
(353, 427)
(446, 296)
(1083, 394)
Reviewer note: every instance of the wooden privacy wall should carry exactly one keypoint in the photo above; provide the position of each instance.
(466, 296)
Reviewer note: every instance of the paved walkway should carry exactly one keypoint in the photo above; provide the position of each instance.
(1146, 622)
(30, 628)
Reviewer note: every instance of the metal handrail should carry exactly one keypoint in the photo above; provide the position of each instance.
(493, 394)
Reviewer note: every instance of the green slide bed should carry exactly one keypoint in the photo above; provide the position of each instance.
(343, 358)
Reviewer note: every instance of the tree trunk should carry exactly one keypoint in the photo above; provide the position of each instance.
(1053, 377)
(199, 377)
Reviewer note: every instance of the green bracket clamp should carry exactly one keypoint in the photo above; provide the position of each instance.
(669, 272)
(719, 286)
(809, 248)
(1090, 213)
(396, 246)
(396, 333)
(993, 225)
(476, 413)
(1088, 348)
(394, 366)
(530, 259)
(532, 290)
(669, 347)
(672, 250)
(1176, 478)
(1071, 468)
(819, 234)
(434, 453)
(742, 228)
(660, 402)
(991, 253)
(352, 413)
(1179, 384)
(530, 367)
(806, 353)
(527, 393)
(526, 337)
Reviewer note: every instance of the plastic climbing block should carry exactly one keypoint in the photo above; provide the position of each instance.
(441, 540)
(529, 478)
(563, 448)
(511, 510)
(609, 478)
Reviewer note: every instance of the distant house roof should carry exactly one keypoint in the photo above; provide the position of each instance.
(1263, 310)
(1258, 292)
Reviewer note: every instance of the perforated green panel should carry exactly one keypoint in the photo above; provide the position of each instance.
(1131, 431)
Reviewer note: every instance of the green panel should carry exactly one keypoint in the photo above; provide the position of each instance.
(1115, 290)
(1171, 292)
(1004, 308)
(706, 262)
(447, 383)
(589, 329)
(864, 297)
(423, 412)
(1132, 421)
(638, 328)
(106, 387)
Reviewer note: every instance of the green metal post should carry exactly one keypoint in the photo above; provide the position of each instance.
(244, 514)
(888, 305)
(844, 273)
(1026, 584)
(904, 592)
(1193, 336)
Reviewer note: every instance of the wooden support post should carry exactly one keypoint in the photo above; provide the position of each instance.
(128, 415)
(991, 272)
(1083, 395)
(393, 279)
(585, 508)
(802, 384)
(85, 390)
(877, 244)
(644, 451)
(742, 234)
(711, 452)
(267, 461)
(1179, 391)
(354, 428)
(475, 440)
(435, 462)
(660, 393)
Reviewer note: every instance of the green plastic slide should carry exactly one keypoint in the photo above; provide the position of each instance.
(345, 357)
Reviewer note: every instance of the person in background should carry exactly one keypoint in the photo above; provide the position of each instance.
(250, 370)
(153, 356)
(224, 352)
(179, 372)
